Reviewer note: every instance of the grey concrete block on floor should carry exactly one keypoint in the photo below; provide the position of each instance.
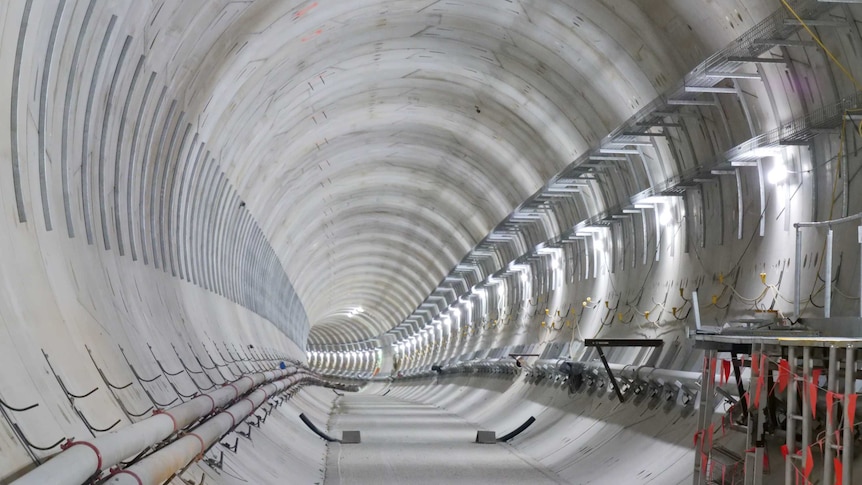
(350, 437)
(486, 437)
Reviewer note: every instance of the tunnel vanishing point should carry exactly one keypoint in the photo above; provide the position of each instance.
(628, 230)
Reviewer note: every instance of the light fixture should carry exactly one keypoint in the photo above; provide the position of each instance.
(778, 173)
(597, 243)
(665, 218)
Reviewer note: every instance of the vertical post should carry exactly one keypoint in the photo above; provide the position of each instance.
(696, 307)
(657, 232)
(859, 236)
(798, 273)
(704, 415)
(644, 232)
(791, 412)
(806, 404)
(754, 457)
(827, 294)
(829, 441)
(740, 202)
(849, 388)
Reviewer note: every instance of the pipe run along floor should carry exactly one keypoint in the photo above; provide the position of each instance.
(409, 443)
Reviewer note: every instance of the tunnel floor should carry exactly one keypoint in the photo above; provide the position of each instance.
(405, 442)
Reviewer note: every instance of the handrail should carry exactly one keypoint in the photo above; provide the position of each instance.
(827, 262)
(829, 223)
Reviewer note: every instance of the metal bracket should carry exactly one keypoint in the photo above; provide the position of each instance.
(141, 381)
(112, 388)
(72, 396)
(169, 374)
(29, 446)
(599, 343)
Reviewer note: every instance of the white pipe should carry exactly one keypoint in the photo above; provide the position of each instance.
(158, 467)
(85, 458)
(643, 373)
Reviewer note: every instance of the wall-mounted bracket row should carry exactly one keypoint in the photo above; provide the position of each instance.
(71, 396)
(29, 446)
(112, 388)
(599, 343)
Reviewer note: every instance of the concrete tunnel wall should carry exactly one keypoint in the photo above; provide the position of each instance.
(223, 175)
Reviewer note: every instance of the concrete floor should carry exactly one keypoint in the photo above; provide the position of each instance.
(405, 442)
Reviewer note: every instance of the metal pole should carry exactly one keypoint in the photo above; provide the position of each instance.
(859, 238)
(798, 273)
(752, 469)
(791, 411)
(829, 441)
(849, 388)
(827, 303)
(704, 414)
(806, 404)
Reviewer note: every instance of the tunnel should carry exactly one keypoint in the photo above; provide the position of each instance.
(430, 241)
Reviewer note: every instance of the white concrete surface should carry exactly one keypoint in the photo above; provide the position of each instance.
(409, 442)
(218, 175)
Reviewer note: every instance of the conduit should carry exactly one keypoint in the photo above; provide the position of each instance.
(84, 459)
(158, 467)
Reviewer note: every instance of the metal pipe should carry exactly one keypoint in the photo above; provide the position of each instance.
(161, 465)
(797, 273)
(830, 425)
(791, 411)
(689, 378)
(83, 459)
(831, 222)
(849, 388)
(827, 295)
(806, 404)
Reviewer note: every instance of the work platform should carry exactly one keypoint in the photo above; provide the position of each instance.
(810, 372)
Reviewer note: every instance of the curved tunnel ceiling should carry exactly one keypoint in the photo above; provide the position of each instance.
(378, 142)
(358, 149)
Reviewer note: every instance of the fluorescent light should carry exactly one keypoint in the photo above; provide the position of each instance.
(778, 173)
(597, 243)
(665, 218)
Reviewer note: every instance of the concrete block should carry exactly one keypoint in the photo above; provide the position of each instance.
(486, 437)
(350, 437)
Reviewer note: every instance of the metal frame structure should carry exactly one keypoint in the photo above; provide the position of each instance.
(599, 343)
(767, 355)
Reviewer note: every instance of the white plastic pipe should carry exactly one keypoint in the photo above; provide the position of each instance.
(158, 467)
(83, 459)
